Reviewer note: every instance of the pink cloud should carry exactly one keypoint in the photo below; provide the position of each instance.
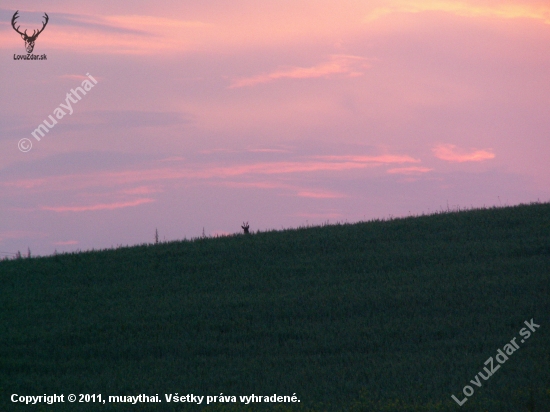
(409, 170)
(373, 159)
(173, 159)
(308, 165)
(267, 151)
(262, 168)
(467, 8)
(255, 185)
(67, 243)
(290, 167)
(100, 206)
(75, 77)
(351, 66)
(27, 183)
(212, 151)
(320, 194)
(299, 191)
(450, 153)
(20, 234)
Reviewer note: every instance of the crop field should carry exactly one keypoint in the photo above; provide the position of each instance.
(394, 315)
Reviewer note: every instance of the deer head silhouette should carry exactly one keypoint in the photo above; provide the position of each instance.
(29, 40)
(245, 228)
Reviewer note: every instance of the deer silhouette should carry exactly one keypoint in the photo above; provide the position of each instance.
(245, 228)
(29, 40)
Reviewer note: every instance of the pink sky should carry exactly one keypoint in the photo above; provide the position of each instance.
(208, 114)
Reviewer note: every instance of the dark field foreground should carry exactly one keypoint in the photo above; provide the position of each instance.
(381, 316)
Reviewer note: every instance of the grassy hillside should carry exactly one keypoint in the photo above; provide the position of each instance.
(386, 316)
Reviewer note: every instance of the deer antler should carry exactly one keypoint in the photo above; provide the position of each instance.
(15, 17)
(34, 33)
(46, 18)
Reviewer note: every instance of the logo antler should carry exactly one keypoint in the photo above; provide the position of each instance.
(29, 40)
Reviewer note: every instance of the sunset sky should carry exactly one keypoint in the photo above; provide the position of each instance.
(280, 113)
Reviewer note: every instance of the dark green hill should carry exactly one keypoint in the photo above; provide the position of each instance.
(387, 315)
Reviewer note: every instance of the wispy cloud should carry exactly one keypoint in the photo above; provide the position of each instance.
(120, 34)
(295, 189)
(267, 150)
(173, 159)
(351, 66)
(288, 167)
(409, 170)
(78, 77)
(472, 8)
(132, 118)
(320, 194)
(255, 185)
(372, 159)
(219, 150)
(99, 206)
(451, 153)
(20, 234)
(311, 164)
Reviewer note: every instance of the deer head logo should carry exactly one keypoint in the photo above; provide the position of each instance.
(245, 228)
(29, 40)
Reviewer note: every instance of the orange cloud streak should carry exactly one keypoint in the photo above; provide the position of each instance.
(450, 153)
(409, 170)
(351, 66)
(320, 195)
(373, 159)
(471, 8)
(300, 191)
(322, 163)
